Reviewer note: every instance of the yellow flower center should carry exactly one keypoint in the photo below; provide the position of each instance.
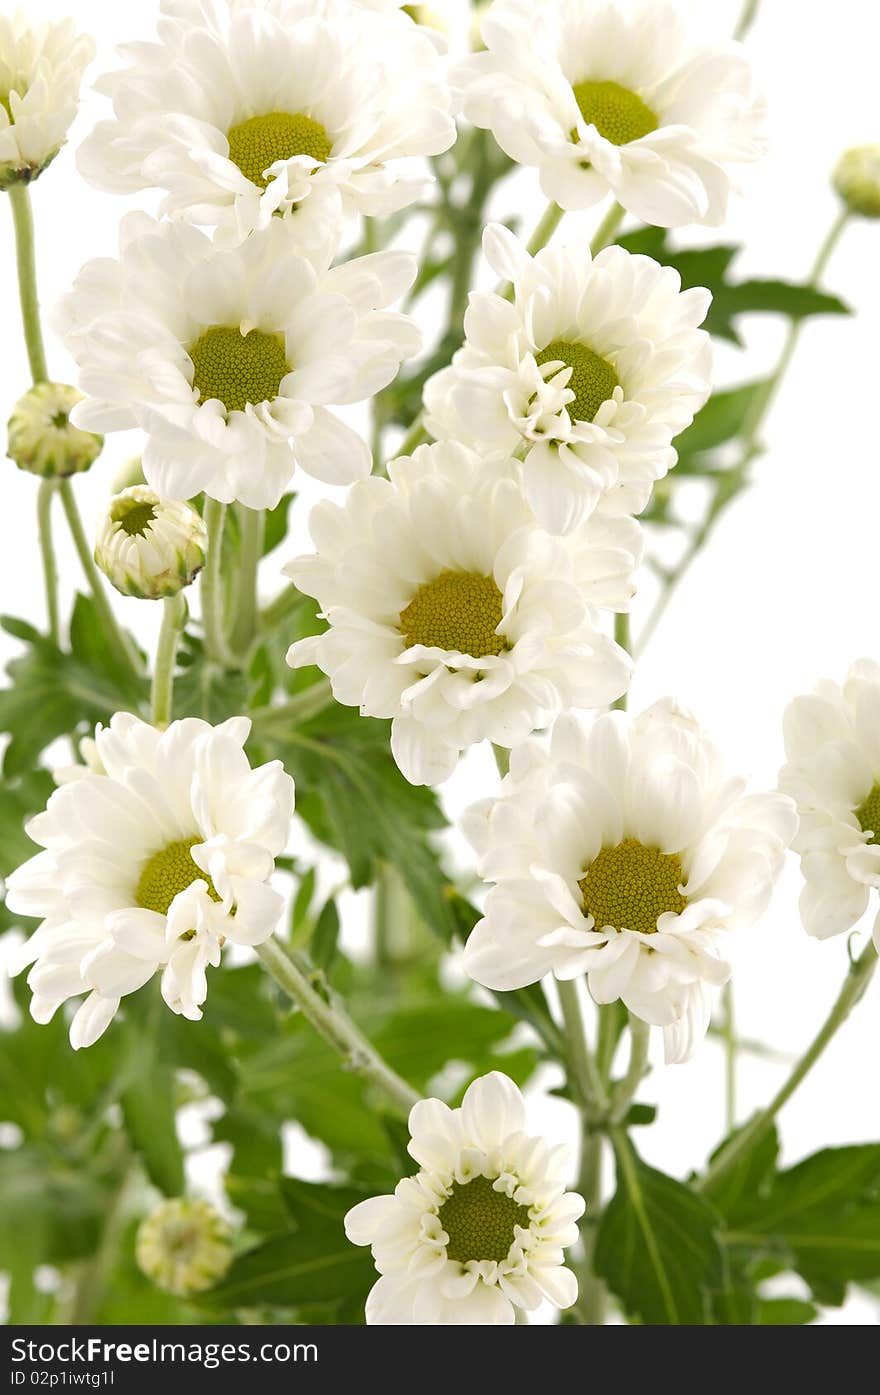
(618, 114)
(167, 873)
(238, 368)
(257, 143)
(459, 612)
(592, 380)
(868, 815)
(133, 518)
(630, 886)
(480, 1221)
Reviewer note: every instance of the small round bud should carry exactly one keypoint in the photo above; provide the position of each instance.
(857, 180)
(184, 1246)
(41, 438)
(150, 547)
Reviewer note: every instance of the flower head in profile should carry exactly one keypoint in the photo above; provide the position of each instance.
(184, 1246)
(150, 547)
(832, 746)
(857, 180)
(481, 1229)
(626, 852)
(230, 359)
(41, 438)
(150, 866)
(249, 109)
(590, 371)
(41, 68)
(451, 612)
(614, 96)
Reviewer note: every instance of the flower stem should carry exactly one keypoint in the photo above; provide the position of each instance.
(588, 1091)
(285, 605)
(730, 1055)
(252, 524)
(625, 1091)
(45, 497)
(623, 636)
(174, 613)
(607, 230)
(211, 586)
(553, 215)
(585, 1079)
(854, 986)
(23, 220)
(416, 436)
(332, 1022)
(115, 634)
(316, 698)
(747, 18)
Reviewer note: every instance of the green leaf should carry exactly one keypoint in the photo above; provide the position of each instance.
(747, 1179)
(20, 798)
(276, 524)
(656, 1247)
(785, 1312)
(325, 937)
(149, 1114)
(721, 420)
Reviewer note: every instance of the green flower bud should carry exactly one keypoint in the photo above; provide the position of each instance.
(184, 1246)
(150, 547)
(40, 437)
(857, 180)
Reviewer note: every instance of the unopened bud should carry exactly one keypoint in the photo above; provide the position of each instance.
(184, 1246)
(150, 547)
(40, 437)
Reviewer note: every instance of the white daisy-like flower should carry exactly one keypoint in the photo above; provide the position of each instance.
(150, 547)
(481, 1229)
(246, 109)
(589, 373)
(624, 851)
(41, 68)
(832, 746)
(451, 612)
(150, 866)
(229, 359)
(614, 96)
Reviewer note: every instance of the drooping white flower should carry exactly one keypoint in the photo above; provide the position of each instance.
(481, 1228)
(591, 371)
(613, 95)
(451, 612)
(184, 1246)
(625, 852)
(150, 866)
(41, 68)
(230, 359)
(150, 547)
(832, 745)
(246, 109)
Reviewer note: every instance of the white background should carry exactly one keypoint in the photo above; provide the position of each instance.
(786, 593)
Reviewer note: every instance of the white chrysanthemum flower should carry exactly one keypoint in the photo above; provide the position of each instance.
(590, 372)
(150, 547)
(452, 613)
(40, 437)
(624, 852)
(243, 111)
(832, 745)
(482, 1227)
(184, 1246)
(229, 359)
(41, 68)
(151, 865)
(614, 96)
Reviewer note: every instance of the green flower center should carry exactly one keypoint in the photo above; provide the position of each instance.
(868, 815)
(257, 143)
(618, 114)
(630, 886)
(167, 873)
(238, 368)
(480, 1222)
(592, 380)
(458, 611)
(133, 519)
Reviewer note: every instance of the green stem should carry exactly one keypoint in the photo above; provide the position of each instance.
(854, 986)
(731, 1048)
(174, 613)
(212, 588)
(23, 220)
(625, 1091)
(623, 636)
(747, 18)
(585, 1079)
(607, 230)
(45, 497)
(332, 1022)
(416, 436)
(316, 698)
(115, 634)
(252, 524)
(284, 606)
(553, 215)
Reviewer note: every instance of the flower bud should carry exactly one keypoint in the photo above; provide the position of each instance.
(184, 1246)
(857, 180)
(40, 437)
(150, 547)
